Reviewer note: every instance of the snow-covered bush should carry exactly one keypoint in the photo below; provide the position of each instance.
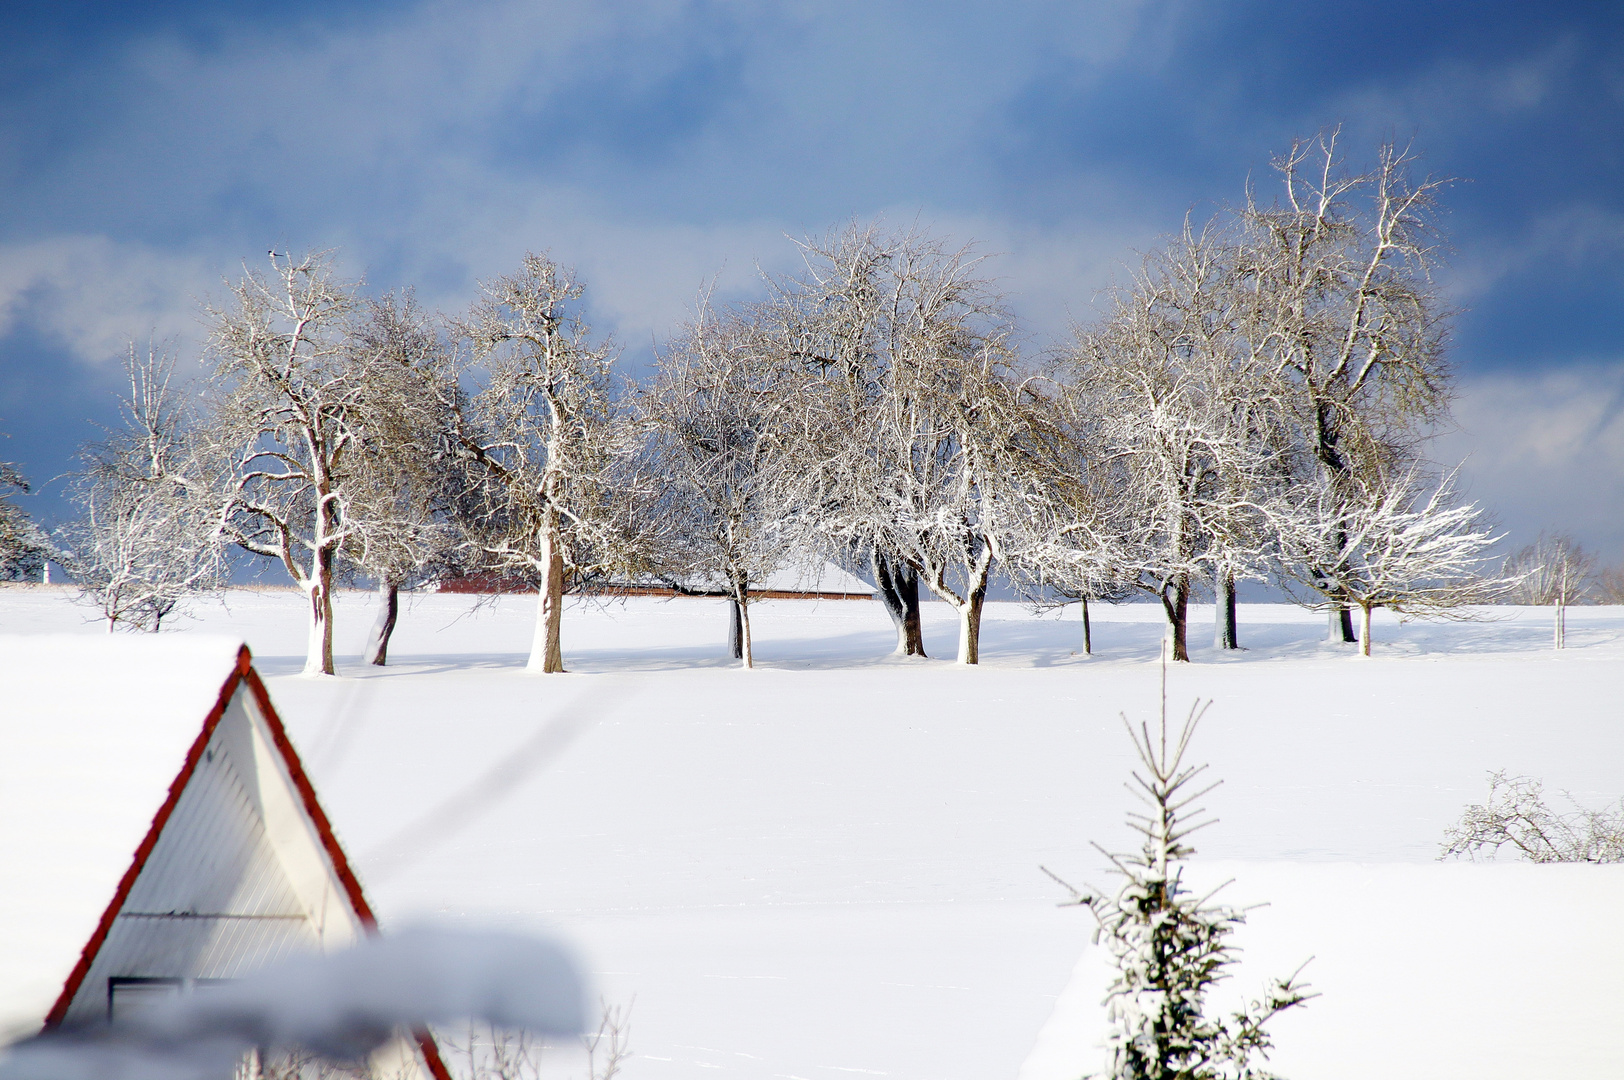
(1170, 945)
(23, 546)
(1516, 814)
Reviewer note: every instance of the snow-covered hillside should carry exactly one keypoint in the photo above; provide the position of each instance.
(829, 865)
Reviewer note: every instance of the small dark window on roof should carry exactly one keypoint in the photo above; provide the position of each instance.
(130, 995)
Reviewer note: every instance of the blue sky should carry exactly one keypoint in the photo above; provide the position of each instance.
(147, 150)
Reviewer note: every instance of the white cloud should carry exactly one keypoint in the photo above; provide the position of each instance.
(95, 295)
(1545, 451)
(1569, 236)
(379, 140)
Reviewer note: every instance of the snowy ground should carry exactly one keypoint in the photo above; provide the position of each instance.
(828, 866)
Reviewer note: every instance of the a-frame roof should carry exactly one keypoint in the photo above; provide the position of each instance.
(90, 746)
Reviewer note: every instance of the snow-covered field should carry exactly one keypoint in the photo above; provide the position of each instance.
(829, 865)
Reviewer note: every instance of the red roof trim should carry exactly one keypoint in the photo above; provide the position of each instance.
(243, 671)
(88, 954)
(329, 842)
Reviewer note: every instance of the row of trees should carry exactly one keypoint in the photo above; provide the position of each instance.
(1252, 405)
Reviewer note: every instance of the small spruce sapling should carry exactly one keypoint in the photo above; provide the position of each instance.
(1169, 945)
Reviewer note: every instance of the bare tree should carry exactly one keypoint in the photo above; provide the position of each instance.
(918, 433)
(1186, 426)
(1610, 585)
(834, 320)
(1398, 542)
(1552, 571)
(1341, 306)
(147, 537)
(719, 413)
(284, 416)
(545, 434)
(409, 478)
(1516, 814)
(1067, 548)
(24, 547)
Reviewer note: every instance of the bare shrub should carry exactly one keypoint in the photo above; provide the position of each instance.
(1609, 585)
(491, 1053)
(1516, 813)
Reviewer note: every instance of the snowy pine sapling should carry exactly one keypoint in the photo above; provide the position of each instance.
(1170, 945)
(1516, 814)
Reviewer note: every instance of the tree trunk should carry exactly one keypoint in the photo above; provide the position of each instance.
(898, 586)
(1364, 629)
(1561, 628)
(735, 630)
(970, 626)
(1088, 635)
(384, 627)
(1341, 623)
(546, 651)
(746, 653)
(1341, 615)
(1225, 632)
(319, 646)
(1177, 609)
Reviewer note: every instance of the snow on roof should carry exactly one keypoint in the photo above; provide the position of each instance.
(826, 578)
(93, 732)
(813, 578)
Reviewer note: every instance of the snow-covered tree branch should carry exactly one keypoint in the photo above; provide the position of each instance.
(1339, 303)
(1398, 541)
(24, 547)
(1185, 431)
(1554, 571)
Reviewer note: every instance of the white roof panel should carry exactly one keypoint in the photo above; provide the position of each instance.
(92, 732)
